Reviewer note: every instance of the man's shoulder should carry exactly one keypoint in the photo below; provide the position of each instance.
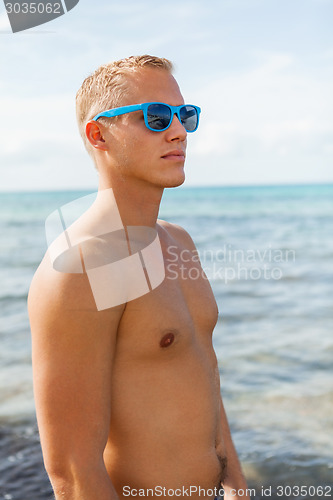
(58, 297)
(178, 233)
(56, 289)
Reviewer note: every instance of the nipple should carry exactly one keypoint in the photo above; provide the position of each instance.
(167, 340)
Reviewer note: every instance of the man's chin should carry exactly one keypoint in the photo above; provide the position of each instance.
(175, 182)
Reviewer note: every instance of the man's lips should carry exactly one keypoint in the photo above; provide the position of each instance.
(176, 154)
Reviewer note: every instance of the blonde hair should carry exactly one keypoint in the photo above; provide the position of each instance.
(105, 88)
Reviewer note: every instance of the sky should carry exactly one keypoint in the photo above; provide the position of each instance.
(261, 71)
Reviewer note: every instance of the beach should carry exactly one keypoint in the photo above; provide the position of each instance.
(268, 253)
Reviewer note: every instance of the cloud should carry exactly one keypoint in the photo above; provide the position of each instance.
(270, 123)
(41, 146)
(28, 121)
(271, 105)
(327, 54)
(4, 23)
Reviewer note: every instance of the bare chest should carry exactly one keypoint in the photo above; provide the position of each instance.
(179, 314)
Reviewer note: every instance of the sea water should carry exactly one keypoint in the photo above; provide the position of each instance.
(268, 253)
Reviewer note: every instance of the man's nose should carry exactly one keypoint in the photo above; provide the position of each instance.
(176, 131)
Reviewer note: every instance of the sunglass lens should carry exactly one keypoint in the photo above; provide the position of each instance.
(158, 116)
(189, 118)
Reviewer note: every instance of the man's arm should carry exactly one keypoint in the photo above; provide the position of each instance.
(235, 480)
(73, 346)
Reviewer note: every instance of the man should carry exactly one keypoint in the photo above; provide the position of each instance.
(127, 394)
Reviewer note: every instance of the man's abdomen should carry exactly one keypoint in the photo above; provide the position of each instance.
(165, 422)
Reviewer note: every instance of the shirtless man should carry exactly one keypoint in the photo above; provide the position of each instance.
(128, 397)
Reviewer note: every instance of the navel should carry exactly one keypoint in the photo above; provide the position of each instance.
(167, 339)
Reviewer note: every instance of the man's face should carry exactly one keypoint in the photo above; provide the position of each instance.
(137, 152)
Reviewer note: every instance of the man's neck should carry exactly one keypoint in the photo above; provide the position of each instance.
(138, 202)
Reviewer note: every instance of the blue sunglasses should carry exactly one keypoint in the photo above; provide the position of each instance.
(158, 116)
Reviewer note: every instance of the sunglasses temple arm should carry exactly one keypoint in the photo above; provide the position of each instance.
(110, 113)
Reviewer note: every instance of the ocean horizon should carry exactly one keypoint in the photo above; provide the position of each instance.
(90, 189)
(268, 253)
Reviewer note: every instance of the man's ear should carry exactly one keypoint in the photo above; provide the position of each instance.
(95, 135)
